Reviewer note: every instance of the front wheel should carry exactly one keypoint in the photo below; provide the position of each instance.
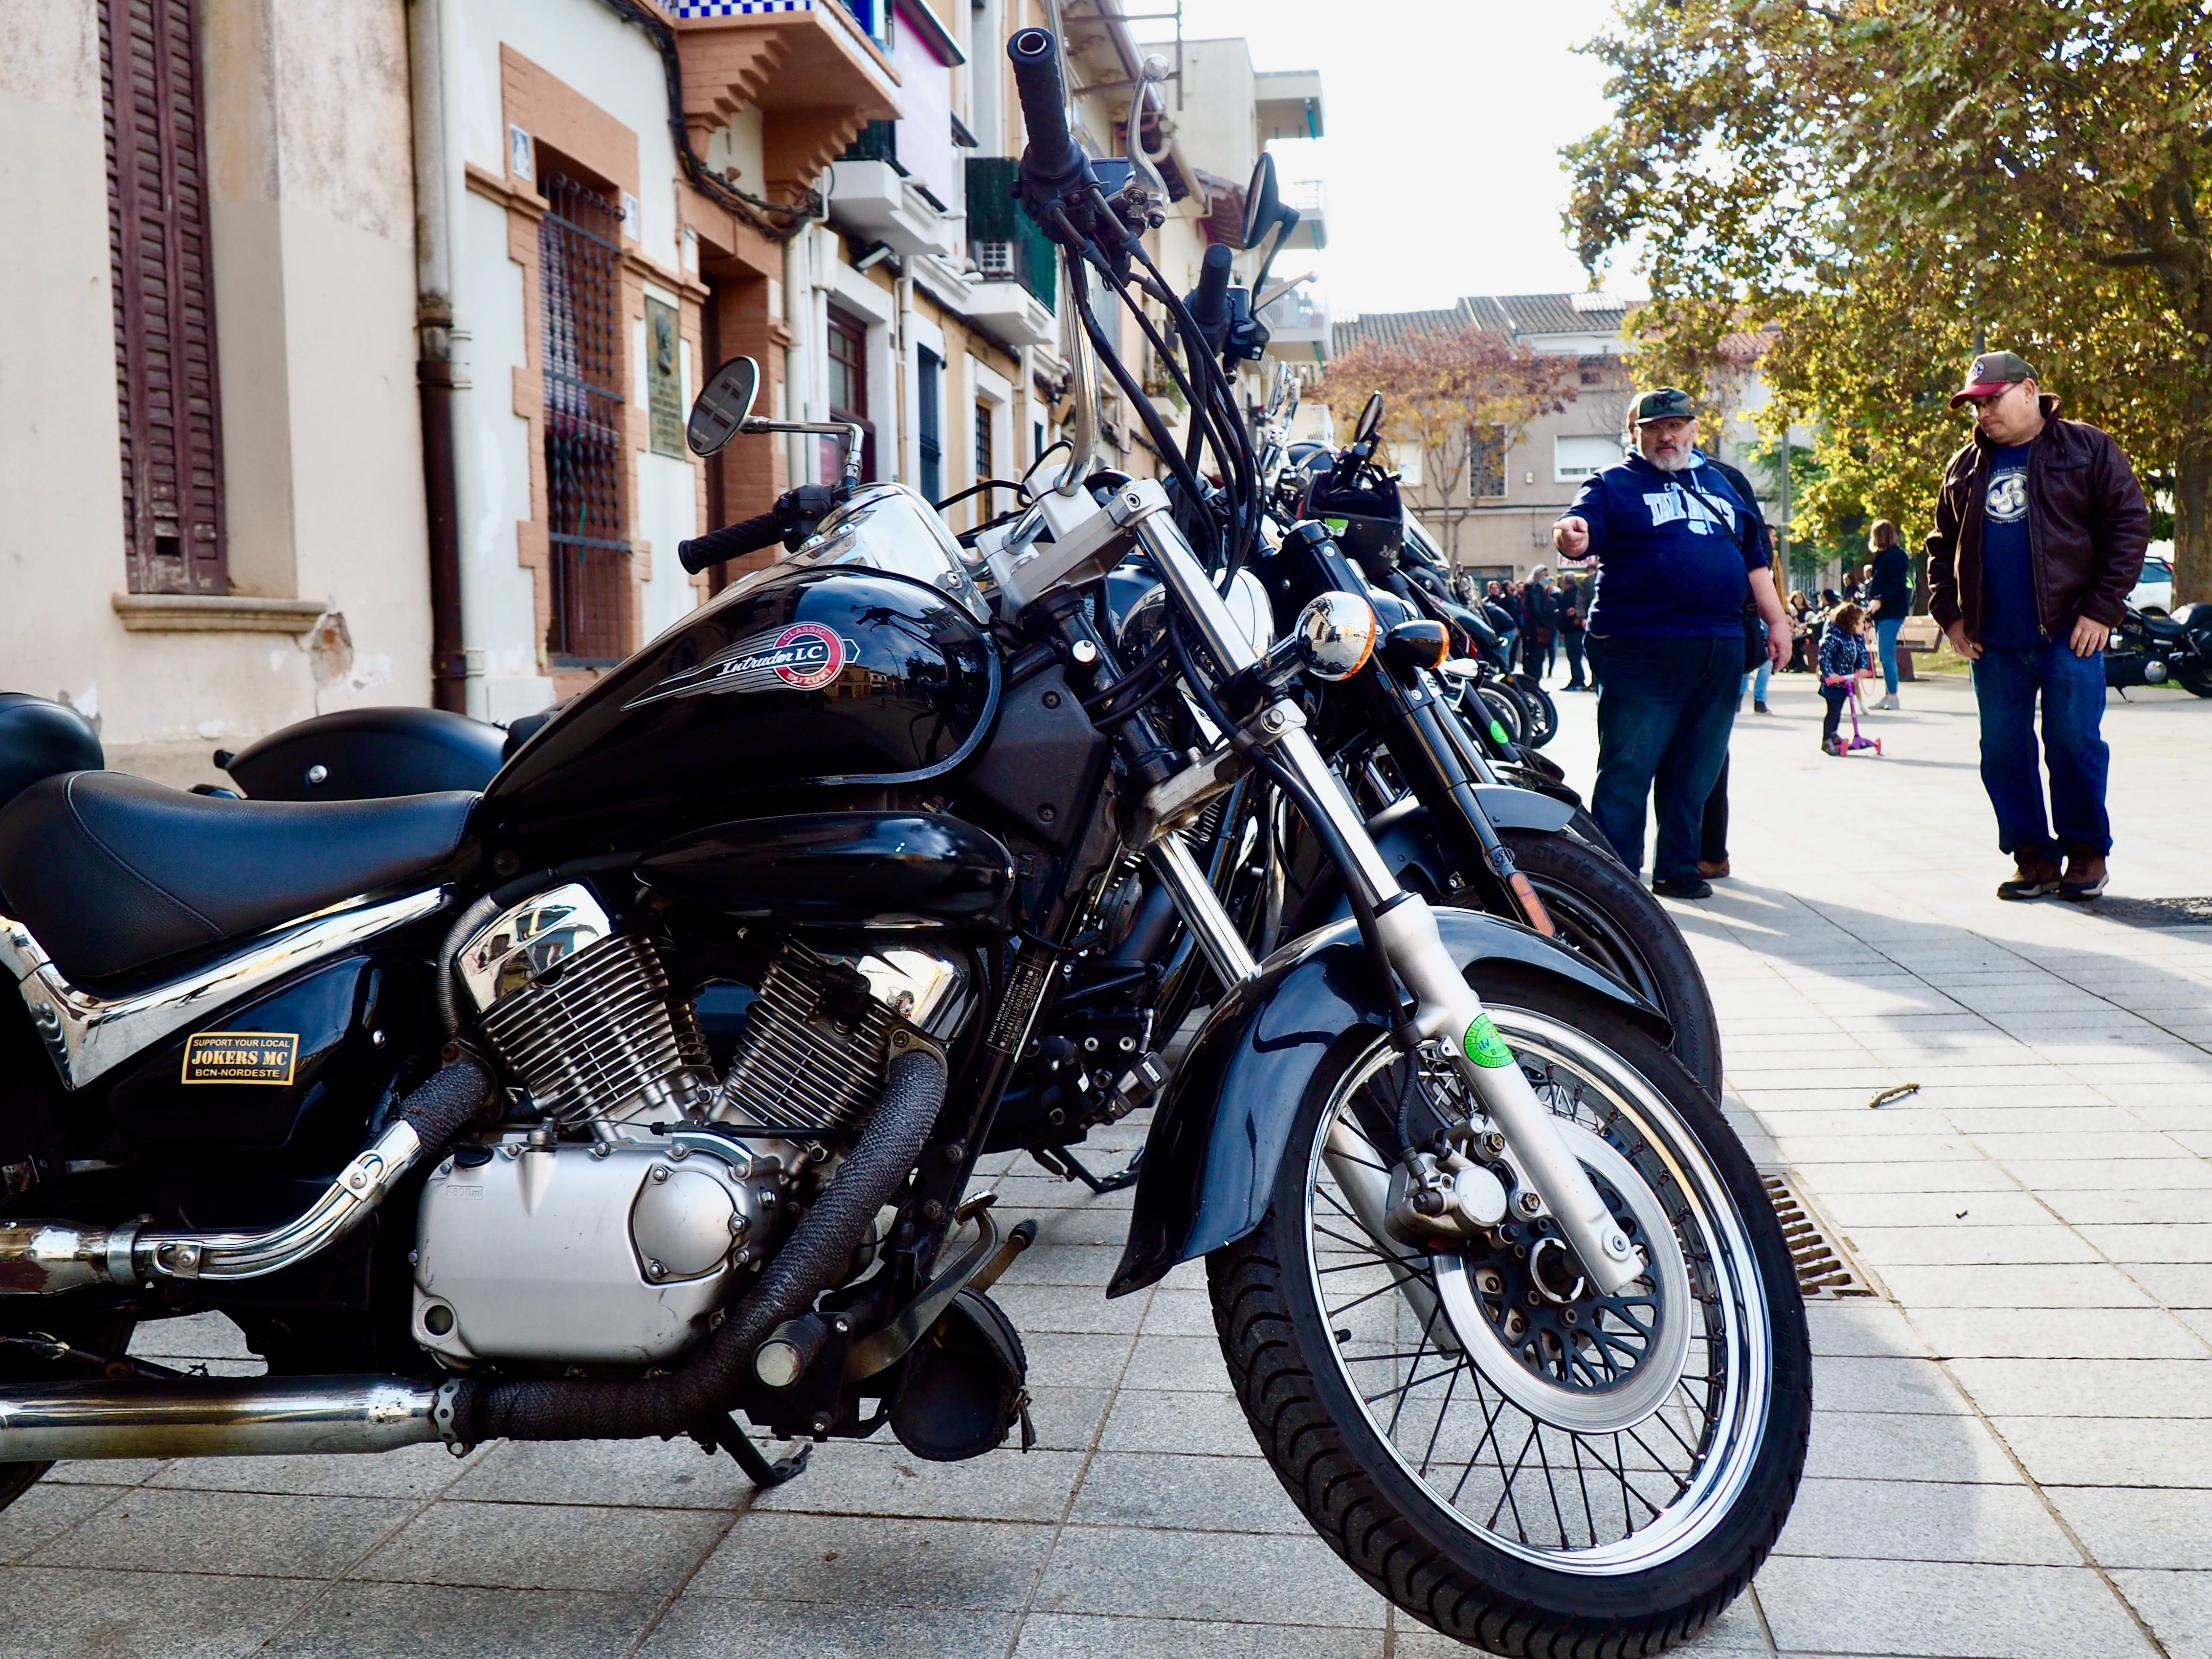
(1525, 1465)
(1609, 916)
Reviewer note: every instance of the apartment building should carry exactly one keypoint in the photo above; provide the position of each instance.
(368, 333)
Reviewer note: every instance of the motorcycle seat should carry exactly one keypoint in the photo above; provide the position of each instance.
(112, 873)
(2161, 627)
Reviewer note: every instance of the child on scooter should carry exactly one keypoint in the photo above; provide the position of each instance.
(1844, 663)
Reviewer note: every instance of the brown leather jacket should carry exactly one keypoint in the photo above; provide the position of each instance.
(2088, 525)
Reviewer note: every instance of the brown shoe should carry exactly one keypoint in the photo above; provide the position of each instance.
(2085, 875)
(1712, 872)
(2033, 878)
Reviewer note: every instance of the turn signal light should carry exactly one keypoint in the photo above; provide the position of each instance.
(1416, 644)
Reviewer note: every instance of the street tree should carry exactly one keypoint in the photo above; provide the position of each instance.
(1455, 396)
(1891, 185)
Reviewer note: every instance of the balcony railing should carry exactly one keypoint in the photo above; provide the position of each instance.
(1006, 245)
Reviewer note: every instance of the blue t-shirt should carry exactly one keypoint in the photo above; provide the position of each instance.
(1671, 564)
(2008, 617)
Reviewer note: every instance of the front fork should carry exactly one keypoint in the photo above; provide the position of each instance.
(1447, 1010)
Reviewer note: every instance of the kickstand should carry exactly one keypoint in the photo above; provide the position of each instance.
(735, 1441)
(1065, 1164)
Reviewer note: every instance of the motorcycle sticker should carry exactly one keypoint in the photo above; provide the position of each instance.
(240, 1056)
(804, 656)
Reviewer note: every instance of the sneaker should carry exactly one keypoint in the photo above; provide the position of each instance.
(1713, 871)
(1682, 887)
(1889, 702)
(1760, 708)
(2032, 879)
(2085, 876)
(1831, 746)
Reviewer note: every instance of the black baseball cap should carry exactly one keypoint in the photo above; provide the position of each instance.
(1993, 371)
(1668, 403)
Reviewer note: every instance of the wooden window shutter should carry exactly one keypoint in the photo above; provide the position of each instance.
(163, 274)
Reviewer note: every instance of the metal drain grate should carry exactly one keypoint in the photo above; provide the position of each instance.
(1823, 1270)
(2155, 912)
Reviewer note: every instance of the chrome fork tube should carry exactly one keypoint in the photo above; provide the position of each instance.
(1202, 911)
(1448, 1011)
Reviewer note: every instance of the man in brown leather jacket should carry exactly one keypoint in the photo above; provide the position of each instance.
(2039, 533)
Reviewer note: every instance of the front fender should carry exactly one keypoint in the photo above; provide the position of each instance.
(1219, 1132)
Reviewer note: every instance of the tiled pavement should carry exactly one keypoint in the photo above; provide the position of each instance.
(2011, 1455)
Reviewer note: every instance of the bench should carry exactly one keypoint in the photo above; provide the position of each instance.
(1919, 634)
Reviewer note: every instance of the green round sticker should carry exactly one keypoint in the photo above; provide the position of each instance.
(1498, 733)
(1484, 1045)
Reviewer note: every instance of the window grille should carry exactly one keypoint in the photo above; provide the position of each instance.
(1486, 463)
(579, 255)
(983, 441)
(848, 394)
(162, 281)
(995, 260)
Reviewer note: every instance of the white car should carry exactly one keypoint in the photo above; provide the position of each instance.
(2154, 589)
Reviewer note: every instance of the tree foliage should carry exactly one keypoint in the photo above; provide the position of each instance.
(1891, 185)
(1441, 387)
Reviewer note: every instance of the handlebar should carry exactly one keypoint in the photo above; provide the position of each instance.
(731, 542)
(1052, 160)
(1209, 301)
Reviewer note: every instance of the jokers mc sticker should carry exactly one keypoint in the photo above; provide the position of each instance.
(240, 1057)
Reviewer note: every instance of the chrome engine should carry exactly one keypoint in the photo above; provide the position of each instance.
(616, 1248)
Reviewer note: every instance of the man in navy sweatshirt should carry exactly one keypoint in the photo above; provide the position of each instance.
(1674, 547)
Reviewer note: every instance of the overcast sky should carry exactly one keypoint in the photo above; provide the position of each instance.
(1445, 120)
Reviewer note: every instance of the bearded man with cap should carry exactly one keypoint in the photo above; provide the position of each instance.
(1675, 546)
(2039, 533)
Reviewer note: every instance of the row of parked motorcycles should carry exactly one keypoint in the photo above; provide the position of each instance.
(620, 1073)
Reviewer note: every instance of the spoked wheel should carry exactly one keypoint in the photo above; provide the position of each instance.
(1543, 713)
(1607, 914)
(1504, 716)
(1521, 1463)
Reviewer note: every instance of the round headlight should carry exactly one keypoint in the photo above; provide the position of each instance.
(1336, 634)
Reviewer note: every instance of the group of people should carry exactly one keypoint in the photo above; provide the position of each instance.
(2040, 531)
(1539, 618)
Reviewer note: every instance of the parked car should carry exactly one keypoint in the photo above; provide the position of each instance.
(2154, 589)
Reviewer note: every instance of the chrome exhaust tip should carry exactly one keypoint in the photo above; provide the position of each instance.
(216, 1417)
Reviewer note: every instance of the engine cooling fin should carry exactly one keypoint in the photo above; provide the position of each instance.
(603, 1036)
(812, 1058)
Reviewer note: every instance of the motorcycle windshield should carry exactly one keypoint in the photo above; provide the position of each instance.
(888, 526)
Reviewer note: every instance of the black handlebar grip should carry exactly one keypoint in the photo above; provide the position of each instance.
(1052, 159)
(1209, 301)
(731, 542)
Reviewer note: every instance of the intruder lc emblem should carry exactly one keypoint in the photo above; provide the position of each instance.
(806, 656)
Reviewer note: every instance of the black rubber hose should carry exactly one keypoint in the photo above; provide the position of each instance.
(710, 1385)
(731, 542)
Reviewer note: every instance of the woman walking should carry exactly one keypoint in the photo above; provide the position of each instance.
(1889, 601)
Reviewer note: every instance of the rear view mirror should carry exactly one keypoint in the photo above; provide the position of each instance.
(719, 413)
(1371, 419)
(1263, 205)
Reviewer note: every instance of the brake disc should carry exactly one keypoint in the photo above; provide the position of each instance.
(1587, 1363)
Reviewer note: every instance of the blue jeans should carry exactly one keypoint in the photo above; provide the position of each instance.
(1665, 709)
(1885, 630)
(2006, 683)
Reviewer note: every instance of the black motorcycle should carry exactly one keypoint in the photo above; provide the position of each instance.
(2151, 648)
(414, 1090)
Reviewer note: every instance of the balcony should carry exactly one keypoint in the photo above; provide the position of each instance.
(1310, 198)
(808, 65)
(1006, 311)
(1014, 297)
(1297, 327)
(871, 194)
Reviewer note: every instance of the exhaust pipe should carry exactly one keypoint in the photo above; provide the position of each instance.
(216, 1417)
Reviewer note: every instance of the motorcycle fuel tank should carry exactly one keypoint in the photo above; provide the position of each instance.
(804, 676)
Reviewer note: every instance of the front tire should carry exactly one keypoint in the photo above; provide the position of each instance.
(1497, 1526)
(1609, 916)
